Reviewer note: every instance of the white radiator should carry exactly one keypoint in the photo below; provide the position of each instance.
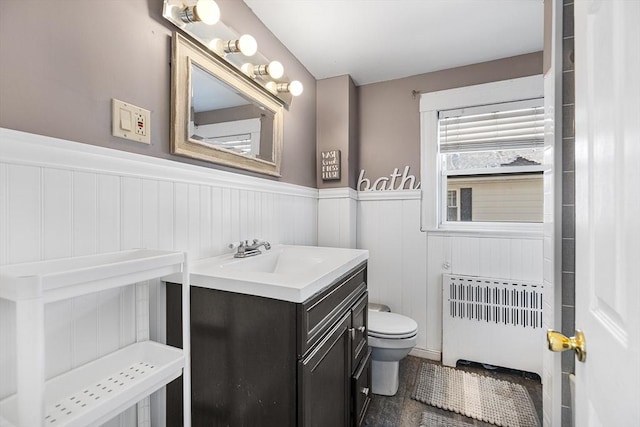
(492, 321)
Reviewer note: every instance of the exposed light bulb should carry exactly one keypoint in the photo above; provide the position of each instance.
(275, 69)
(247, 68)
(272, 87)
(207, 11)
(295, 88)
(217, 46)
(247, 45)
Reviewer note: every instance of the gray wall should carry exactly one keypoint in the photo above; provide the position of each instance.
(389, 112)
(63, 61)
(337, 120)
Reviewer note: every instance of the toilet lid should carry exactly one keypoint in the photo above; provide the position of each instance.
(391, 325)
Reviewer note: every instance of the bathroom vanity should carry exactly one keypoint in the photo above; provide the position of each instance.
(296, 358)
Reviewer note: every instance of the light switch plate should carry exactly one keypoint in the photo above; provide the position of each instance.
(130, 122)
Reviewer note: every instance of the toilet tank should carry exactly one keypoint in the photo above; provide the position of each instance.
(378, 307)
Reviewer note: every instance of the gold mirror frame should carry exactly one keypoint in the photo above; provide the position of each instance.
(185, 54)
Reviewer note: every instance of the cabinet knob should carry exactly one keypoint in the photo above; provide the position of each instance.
(362, 329)
(365, 391)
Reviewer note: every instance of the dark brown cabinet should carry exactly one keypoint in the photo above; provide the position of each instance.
(263, 362)
(324, 380)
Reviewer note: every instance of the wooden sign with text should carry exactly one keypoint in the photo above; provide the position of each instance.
(330, 165)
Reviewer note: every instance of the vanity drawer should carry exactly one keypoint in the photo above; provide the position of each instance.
(320, 312)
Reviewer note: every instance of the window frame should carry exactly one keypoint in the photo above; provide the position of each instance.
(447, 206)
(433, 216)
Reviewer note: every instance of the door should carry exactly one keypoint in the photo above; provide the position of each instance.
(324, 380)
(607, 43)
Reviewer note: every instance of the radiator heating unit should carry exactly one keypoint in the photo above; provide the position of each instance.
(492, 321)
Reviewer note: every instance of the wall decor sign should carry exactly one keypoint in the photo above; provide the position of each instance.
(330, 165)
(389, 183)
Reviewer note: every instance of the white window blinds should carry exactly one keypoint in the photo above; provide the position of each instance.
(504, 126)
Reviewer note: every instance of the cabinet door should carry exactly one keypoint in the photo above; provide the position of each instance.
(324, 378)
(243, 359)
(359, 343)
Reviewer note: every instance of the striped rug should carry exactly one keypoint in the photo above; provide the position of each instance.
(429, 419)
(498, 402)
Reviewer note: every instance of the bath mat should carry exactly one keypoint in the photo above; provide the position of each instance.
(486, 399)
(429, 419)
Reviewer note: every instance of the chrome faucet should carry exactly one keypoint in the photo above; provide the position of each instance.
(246, 250)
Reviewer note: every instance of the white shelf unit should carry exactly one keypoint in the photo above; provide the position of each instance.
(99, 390)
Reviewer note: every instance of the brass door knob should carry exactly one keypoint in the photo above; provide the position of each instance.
(558, 342)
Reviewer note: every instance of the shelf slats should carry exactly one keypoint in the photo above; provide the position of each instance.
(95, 392)
(99, 390)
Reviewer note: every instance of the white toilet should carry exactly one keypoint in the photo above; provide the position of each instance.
(391, 338)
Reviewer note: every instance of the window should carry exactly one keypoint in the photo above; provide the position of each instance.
(493, 152)
(482, 157)
(452, 206)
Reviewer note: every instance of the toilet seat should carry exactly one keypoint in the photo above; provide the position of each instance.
(391, 325)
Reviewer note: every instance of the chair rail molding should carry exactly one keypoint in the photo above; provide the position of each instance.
(43, 151)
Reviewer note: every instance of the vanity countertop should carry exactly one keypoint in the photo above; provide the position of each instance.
(286, 272)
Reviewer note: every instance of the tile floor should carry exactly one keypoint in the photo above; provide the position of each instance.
(402, 411)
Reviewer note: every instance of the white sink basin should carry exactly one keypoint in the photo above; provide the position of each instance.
(290, 273)
(280, 260)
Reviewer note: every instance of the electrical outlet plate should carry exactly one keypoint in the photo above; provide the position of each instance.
(130, 122)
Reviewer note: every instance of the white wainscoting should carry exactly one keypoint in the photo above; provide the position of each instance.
(406, 265)
(60, 198)
(389, 227)
(337, 217)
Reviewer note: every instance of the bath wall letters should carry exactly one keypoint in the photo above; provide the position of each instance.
(389, 183)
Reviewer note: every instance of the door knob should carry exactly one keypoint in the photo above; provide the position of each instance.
(558, 342)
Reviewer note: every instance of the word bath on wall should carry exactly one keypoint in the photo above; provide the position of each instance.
(389, 183)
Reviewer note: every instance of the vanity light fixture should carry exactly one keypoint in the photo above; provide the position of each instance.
(246, 45)
(274, 69)
(206, 11)
(295, 88)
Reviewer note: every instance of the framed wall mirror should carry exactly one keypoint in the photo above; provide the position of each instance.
(219, 115)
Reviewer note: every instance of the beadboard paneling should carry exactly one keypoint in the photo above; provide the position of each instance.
(337, 217)
(60, 199)
(390, 229)
(406, 265)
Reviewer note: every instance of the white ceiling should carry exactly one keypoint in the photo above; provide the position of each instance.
(379, 40)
